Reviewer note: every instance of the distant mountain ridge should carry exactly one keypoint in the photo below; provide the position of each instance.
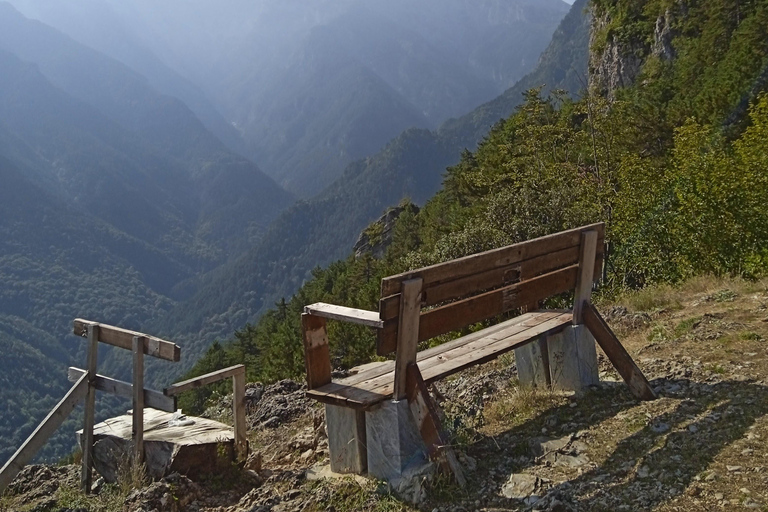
(334, 83)
(112, 194)
(315, 232)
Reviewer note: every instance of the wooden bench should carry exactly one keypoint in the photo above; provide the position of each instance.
(425, 303)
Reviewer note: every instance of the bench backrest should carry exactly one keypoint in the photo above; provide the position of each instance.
(480, 286)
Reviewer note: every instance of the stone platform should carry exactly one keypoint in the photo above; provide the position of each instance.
(192, 450)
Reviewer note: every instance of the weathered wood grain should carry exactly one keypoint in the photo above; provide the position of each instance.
(617, 354)
(47, 427)
(152, 398)
(138, 399)
(123, 338)
(472, 264)
(457, 315)
(408, 333)
(583, 292)
(453, 358)
(317, 356)
(353, 315)
(204, 380)
(90, 406)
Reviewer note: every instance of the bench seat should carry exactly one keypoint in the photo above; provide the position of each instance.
(374, 383)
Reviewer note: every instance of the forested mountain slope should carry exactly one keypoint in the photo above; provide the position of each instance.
(323, 229)
(226, 195)
(314, 85)
(667, 149)
(101, 26)
(111, 195)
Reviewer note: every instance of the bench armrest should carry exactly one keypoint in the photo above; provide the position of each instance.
(343, 313)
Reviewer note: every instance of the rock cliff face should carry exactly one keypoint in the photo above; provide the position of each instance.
(616, 61)
(376, 238)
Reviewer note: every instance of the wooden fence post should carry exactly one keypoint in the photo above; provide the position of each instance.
(138, 399)
(238, 415)
(41, 434)
(407, 334)
(90, 405)
(586, 274)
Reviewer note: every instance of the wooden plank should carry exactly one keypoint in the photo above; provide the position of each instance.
(502, 329)
(317, 356)
(428, 422)
(408, 333)
(472, 264)
(617, 354)
(345, 314)
(503, 276)
(204, 380)
(123, 338)
(138, 399)
(456, 361)
(465, 312)
(238, 415)
(47, 427)
(152, 398)
(90, 406)
(583, 292)
(367, 393)
(476, 351)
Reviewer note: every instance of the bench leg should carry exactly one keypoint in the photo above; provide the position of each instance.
(395, 447)
(532, 363)
(573, 359)
(346, 439)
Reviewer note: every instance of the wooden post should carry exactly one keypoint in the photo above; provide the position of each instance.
(138, 399)
(586, 274)
(90, 405)
(407, 334)
(41, 434)
(238, 415)
(617, 354)
(317, 357)
(428, 422)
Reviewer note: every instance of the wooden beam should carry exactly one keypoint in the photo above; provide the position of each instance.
(428, 422)
(389, 307)
(345, 314)
(317, 356)
(152, 398)
(408, 333)
(90, 406)
(138, 399)
(47, 427)
(238, 415)
(204, 380)
(459, 314)
(123, 338)
(468, 265)
(617, 354)
(583, 291)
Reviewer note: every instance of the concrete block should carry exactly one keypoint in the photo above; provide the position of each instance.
(346, 439)
(531, 370)
(572, 359)
(395, 447)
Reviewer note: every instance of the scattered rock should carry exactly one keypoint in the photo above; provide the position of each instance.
(520, 486)
(253, 463)
(280, 402)
(172, 494)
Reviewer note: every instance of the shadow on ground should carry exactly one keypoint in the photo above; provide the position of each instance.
(649, 467)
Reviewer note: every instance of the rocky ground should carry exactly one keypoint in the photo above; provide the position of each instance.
(703, 445)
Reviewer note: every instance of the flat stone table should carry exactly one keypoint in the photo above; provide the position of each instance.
(193, 450)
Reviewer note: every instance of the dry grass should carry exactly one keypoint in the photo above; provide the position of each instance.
(719, 289)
